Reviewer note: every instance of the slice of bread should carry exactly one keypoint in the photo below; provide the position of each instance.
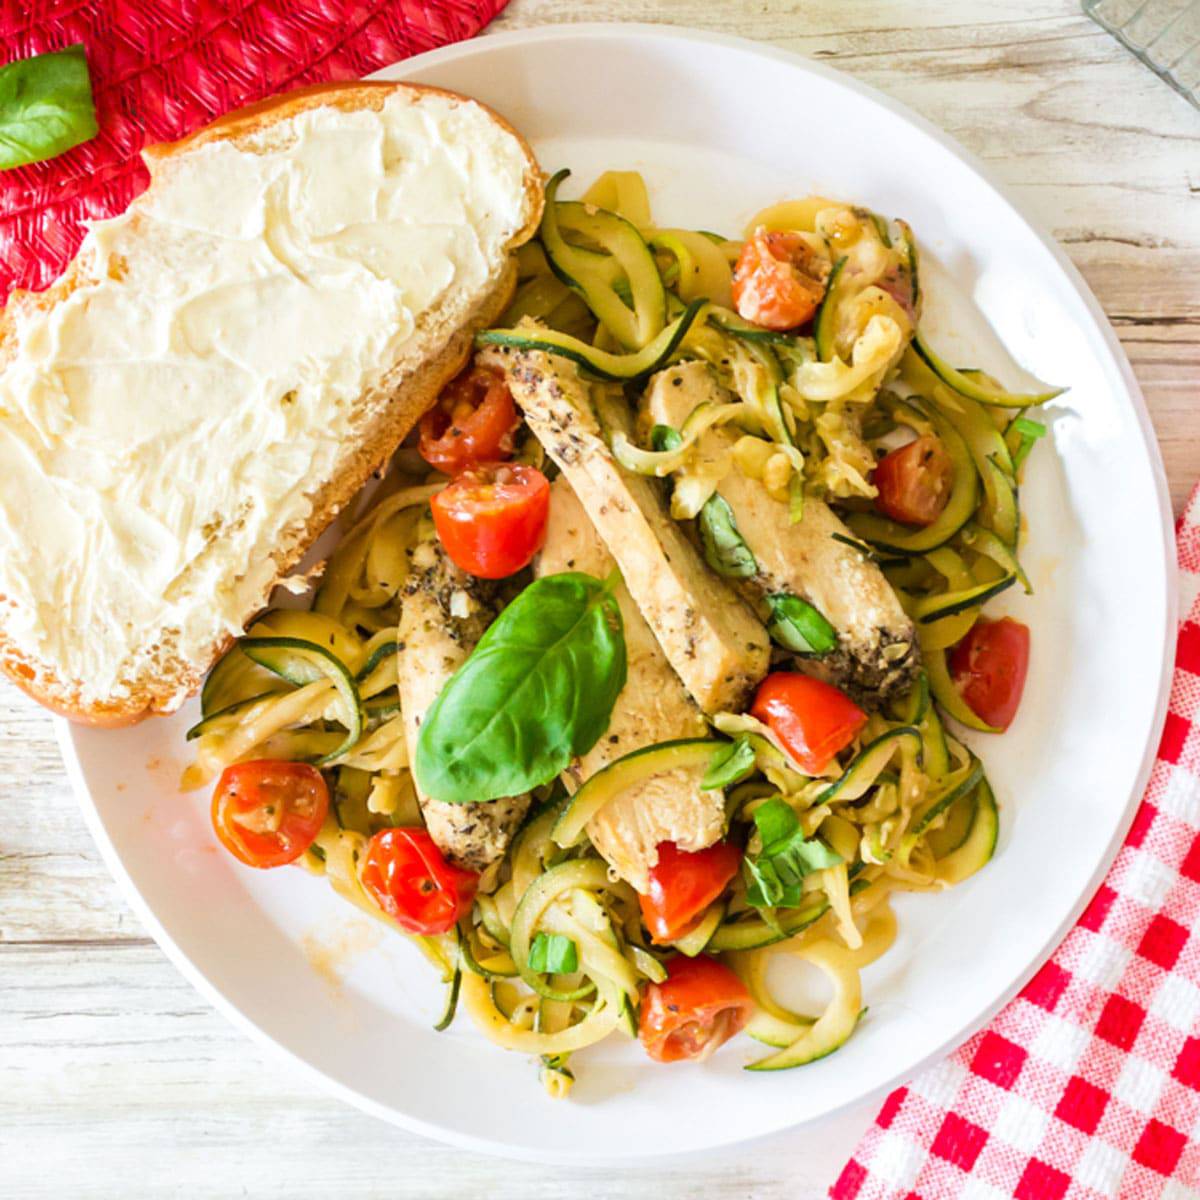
(222, 367)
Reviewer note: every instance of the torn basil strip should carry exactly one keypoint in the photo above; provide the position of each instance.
(798, 626)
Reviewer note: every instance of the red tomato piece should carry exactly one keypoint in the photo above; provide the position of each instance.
(492, 518)
(812, 719)
(778, 281)
(473, 421)
(698, 1007)
(268, 812)
(683, 884)
(408, 878)
(915, 481)
(989, 667)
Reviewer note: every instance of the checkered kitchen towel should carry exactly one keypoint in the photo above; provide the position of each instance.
(1087, 1086)
(161, 68)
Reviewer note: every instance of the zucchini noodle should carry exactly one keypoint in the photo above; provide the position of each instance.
(907, 807)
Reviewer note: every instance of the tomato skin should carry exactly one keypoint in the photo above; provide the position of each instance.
(699, 1007)
(778, 281)
(492, 518)
(989, 667)
(812, 719)
(915, 481)
(267, 812)
(406, 875)
(683, 884)
(473, 421)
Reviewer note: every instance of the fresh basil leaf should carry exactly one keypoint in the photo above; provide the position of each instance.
(538, 690)
(776, 821)
(731, 763)
(765, 889)
(553, 954)
(802, 856)
(797, 626)
(45, 107)
(774, 877)
(663, 437)
(724, 549)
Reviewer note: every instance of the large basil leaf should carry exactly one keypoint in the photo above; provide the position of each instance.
(45, 107)
(797, 626)
(724, 548)
(538, 690)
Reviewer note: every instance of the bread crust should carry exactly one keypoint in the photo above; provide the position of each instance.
(411, 398)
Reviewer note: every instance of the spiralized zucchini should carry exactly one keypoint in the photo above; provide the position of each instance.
(907, 807)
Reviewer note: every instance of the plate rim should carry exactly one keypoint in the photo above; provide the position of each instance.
(646, 31)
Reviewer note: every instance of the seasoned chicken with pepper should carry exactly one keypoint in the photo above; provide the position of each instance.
(876, 654)
(709, 635)
(444, 613)
(653, 707)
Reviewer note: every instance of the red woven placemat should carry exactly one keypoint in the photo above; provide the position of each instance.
(162, 69)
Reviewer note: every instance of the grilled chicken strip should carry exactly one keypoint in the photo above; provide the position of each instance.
(652, 707)
(444, 614)
(877, 653)
(709, 636)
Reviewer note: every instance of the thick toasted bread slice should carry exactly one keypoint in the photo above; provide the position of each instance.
(221, 369)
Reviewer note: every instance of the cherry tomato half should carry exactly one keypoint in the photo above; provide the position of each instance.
(989, 667)
(812, 719)
(268, 812)
(915, 481)
(409, 879)
(492, 518)
(698, 1007)
(683, 884)
(473, 421)
(779, 280)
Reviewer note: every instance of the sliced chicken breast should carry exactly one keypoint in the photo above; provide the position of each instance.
(652, 707)
(709, 636)
(877, 651)
(443, 616)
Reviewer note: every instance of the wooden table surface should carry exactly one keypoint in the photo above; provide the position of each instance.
(118, 1080)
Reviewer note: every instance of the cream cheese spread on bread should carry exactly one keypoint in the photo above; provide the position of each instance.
(163, 424)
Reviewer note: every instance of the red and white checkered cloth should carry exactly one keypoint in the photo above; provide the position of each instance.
(1086, 1086)
(162, 68)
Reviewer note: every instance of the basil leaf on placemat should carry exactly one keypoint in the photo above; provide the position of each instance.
(538, 690)
(45, 107)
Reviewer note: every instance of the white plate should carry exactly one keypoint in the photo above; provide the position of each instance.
(721, 127)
